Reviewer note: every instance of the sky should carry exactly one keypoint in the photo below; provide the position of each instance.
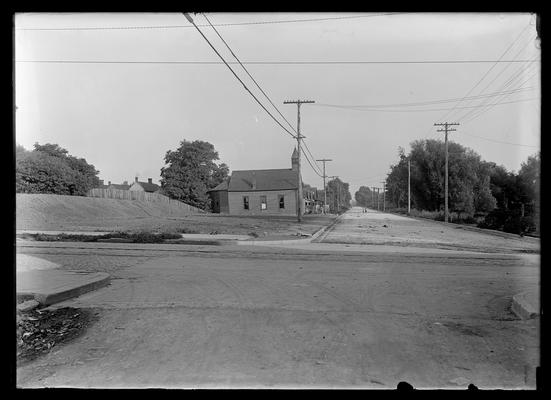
(366, 72)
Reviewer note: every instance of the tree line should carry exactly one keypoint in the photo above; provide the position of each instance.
(189, 172)
(479, 191)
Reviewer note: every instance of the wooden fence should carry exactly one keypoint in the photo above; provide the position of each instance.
(143, 196)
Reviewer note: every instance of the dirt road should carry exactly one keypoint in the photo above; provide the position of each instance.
(194, 316)
(378, 228)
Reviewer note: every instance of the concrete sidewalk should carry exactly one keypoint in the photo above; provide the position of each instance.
(43, 283)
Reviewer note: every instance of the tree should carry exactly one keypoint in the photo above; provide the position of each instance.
(528, 179)
(397, 181)
(338, 195)
(190, 171)
(468, 178)
(363, 196)
(51, 169)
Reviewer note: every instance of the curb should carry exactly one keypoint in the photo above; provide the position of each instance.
(27, 305)
(50, 298)
(523, 308)
(311, 239)
(324, 231)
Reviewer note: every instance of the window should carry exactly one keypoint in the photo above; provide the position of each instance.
(263, 203)
(245, 202)
(281, 199)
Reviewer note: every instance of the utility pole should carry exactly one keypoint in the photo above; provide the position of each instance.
(446, 129)
(384, 191)
(338, 193)
(300, 207)
(324, 160)
(409, 186)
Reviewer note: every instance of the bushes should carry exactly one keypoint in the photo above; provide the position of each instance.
(138, 237)
(508, 221)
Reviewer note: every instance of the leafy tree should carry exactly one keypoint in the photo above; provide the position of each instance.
(50, 169)
(338, 195)
(468, 179)
(363, 197)
(528, 179)
(190, 171)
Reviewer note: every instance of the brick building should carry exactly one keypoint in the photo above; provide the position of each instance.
(258, 192)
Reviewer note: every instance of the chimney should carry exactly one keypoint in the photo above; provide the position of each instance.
(254, 181)
(136, 180)
(125, 183)
(149, 180)
(101, 182)
(109, 183)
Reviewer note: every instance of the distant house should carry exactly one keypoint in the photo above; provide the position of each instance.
(313, 199)
(148, 186)
(122, 186)
(102, 185)
(258, 192)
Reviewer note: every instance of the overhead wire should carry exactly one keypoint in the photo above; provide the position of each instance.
(421, 110)
(487, 72)
(421, 103)
(239, 79)
(333, 62)
(470, 115)
(248, 73)
(523, 48)
(187, 26)
(263, 92)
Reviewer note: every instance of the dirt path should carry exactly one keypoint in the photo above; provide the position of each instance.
(378, 228)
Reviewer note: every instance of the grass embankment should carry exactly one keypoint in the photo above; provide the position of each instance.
(86, 214)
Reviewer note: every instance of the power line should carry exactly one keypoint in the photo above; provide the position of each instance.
(187, 26)
(523, 48)
(250, 76)
(499, 141)
(307, 159)
(489, 70)
(423, 110)
(422, 103)
(475, 113)
(503, 69)
(311, 155)
(336, 62)
(512, 77)
(239, 79)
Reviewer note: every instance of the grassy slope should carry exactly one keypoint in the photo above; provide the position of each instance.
(47, 211)
(73, 213)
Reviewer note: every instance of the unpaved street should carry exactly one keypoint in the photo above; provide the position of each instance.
(378, 228)
(238, 316)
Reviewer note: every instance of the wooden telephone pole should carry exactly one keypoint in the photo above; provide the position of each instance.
(446, 129)
(300, 205)
(324, 160)
(384, 191)
(409, 186)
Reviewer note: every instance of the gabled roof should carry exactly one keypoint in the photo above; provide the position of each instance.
(263, 179)
(221, 186)
(121, 186)
(149, 187)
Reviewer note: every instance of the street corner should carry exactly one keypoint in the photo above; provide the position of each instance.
(526, 305)
(52, 286)
(25, 263)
